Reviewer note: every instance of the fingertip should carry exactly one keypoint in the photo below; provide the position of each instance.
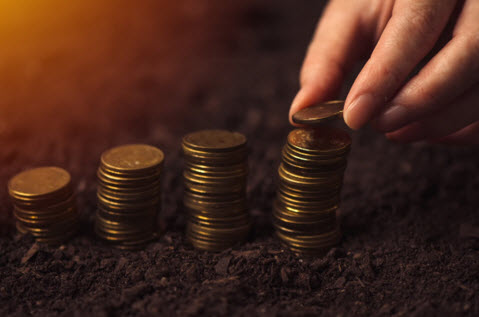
(305, 97)
(393, 136)
(296, 105)
(408, 134)
(358, 112)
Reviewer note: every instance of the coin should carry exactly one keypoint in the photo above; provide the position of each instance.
(39, 182)
(214, 140)
(320, 140)
(319, 113)
(215, 177)
(44, 204)
(308, 195)
(129, 195)
(132, 158)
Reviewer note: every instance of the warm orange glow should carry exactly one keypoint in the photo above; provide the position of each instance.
(68, 59)
(58, 55)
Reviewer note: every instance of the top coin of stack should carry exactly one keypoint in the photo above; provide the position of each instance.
(311, 174)
(129, 196)
(319, 113)
(44, 204)
(215, 178)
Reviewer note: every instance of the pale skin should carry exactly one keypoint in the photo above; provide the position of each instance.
(438, 104)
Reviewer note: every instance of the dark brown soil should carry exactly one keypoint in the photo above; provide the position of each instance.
(77, 80)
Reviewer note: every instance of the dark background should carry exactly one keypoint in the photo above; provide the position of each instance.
(77, 78)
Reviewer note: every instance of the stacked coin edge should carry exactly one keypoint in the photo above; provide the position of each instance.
(50, 216)
(129, 200)
(215, 190)
(308, 194)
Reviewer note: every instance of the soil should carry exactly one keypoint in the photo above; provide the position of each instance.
(98, 74)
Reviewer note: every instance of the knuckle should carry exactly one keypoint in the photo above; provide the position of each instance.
(471, 43)
(425, 99)
(388, 77)
(422, 20)
(416, 96)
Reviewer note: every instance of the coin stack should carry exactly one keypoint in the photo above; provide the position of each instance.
(215, 178)
(129, 195)
(44, 204)
(310, 180)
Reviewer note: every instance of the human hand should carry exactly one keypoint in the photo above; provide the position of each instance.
(439, 104)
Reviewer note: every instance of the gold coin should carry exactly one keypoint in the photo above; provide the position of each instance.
(319, 113)
(132, 158)
(129, 196)
(241, 174)
(215, 161)
(308, 203)
(45, 218)
(304, 210)
(212, 197)
(215, 234)
(208, 245)
(312, 156)
(214, 140)
(128, 179)
(303, 219)
(60, 228)
(320, 140)
(323, 163)
(222, 219)
(126, 217)
(128, 189)
(318, 177)
(319, 241)
(136, 244)
(315, 252)
(211, 190)
(315, 238)
(123, 233)
(317, 183)
(33, 209)
(291, 228)
(219, 244)
(226, 204)
(217, 170)
(312, 170)
(39, 182)
(133, 237)
(214, 181)
(308, 192)
(115, 205)
(226, 154)
(133, 173)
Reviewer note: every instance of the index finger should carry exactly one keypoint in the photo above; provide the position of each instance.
(334, 48)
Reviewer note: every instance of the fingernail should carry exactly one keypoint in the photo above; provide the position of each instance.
(411, 133)
(360, 111)
(392, 119)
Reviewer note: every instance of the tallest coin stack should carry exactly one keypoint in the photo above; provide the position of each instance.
(311, 174)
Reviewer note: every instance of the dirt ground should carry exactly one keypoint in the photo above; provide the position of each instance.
(78, 78)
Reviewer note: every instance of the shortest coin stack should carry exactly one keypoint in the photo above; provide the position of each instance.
(129, 195)
(311, 175)
(215, 178)
(44, 204)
